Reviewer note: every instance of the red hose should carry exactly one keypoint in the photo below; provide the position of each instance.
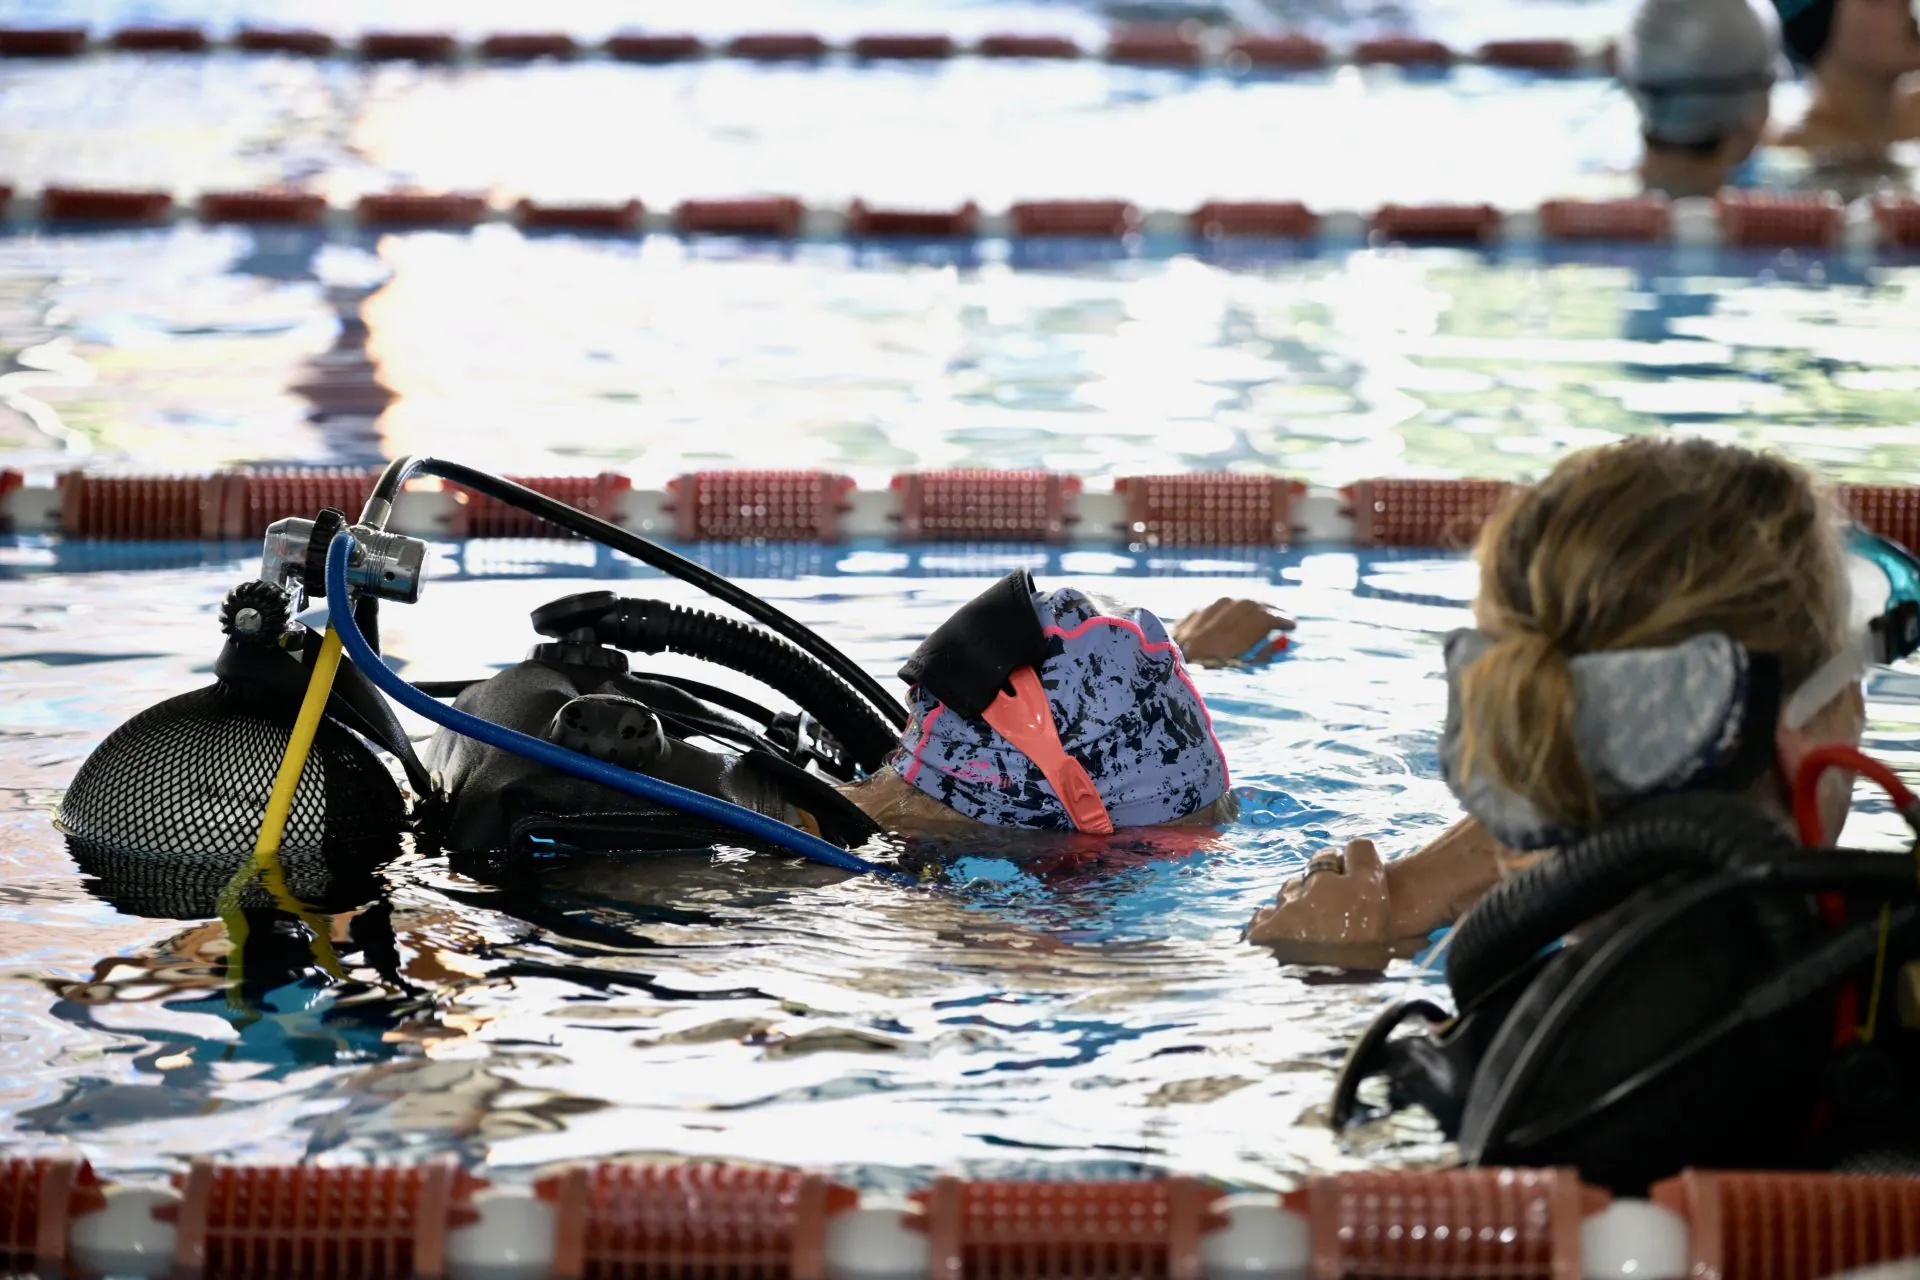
(1806, 816)
(1806, 786)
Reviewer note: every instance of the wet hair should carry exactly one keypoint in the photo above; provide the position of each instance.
(1634, 545)
(1699, 71)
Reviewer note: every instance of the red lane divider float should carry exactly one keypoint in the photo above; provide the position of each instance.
(250, 501)
(759, 506)
(683, 1219)
(1463, 1223)
(1009, 44)
(297, 40)
(579, 217)
(778, 46)
(1645, 218)
(1186, 45)
(865, 220)
(1793, 1225)
(368, 1223)
(42, 42)
(141, 508)
(161, 39)
(1531, 55)
(1066, 1228)
(1421, 513)
(1272, 219)
(903, 47)
(1899, 220)
(634, 46)
(409, 46)
(777, 216)
(1402, 51)
(1892, 511)
(1280, 53)
(978, 505)
(1156, 45)
(1217, 509)
(691, 1220)
(263, 206)
(526, 46)
(1100, 219)
(1196, 509)
(478, 516)
(9, 481)
(1480, 222)
(1780, 219)
(39, 1198)
(1768, 220)
(420, 209)
(104, 204)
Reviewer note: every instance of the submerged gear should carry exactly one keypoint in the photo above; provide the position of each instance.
(1135, 743)
(164, 812)
(1686, 1019)
(190, 780)
(498, 802)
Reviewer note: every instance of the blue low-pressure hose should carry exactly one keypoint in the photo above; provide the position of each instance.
(745, 821)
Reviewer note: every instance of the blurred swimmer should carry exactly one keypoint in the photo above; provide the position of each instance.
(1701, 73)
(1860, 56)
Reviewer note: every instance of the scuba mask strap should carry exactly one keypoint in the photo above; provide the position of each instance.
(1024, 718)
(1885, 637)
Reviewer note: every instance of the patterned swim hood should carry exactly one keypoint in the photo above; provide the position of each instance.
(1124, 707)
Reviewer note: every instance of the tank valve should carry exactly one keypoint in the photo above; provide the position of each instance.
(388, 566)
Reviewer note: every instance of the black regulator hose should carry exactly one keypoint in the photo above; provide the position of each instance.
(654, 626)
(649, 552)
(1692, 831)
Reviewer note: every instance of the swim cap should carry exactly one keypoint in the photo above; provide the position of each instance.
(1699, 70)
(1122, 703)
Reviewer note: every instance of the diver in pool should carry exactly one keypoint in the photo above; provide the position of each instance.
(1044, 711)
(1058, 711)
(1862, 56)
(1701, 73)
(1633, 546)
(1661, 704)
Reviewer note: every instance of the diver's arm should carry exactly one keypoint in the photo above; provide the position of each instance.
(1356, 910)
(1232, 631)
(1436, 884)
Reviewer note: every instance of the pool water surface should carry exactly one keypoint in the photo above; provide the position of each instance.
(1044, 1009)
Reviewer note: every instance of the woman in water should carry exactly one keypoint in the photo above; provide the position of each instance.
(1638, 545)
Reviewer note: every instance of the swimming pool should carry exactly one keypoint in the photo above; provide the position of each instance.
(1062, 1018)
(192, 348)
(1077, 1017)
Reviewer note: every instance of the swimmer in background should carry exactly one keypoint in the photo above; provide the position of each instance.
(1639, 545)
(1701, 73)
(1862, 56)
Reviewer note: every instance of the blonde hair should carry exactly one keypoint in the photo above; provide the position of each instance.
(1638, 545)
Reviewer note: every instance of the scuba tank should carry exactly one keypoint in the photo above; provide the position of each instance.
(1677, 988)
(576, 690)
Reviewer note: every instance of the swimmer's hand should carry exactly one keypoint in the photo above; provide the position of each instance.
(1338, 913)
(1354, 911)
(1229, 632)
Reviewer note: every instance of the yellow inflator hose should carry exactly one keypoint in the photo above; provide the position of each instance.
(265, 861)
